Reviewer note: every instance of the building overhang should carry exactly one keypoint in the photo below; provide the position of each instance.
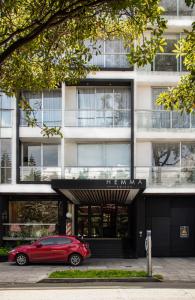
(96, 192)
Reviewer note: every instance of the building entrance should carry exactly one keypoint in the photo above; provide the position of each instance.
(103, 221)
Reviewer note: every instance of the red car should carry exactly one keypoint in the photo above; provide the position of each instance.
(68, 249)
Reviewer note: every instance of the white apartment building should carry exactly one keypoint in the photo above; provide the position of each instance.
(123, 165)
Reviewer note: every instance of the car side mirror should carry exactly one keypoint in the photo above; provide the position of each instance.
(38, 245)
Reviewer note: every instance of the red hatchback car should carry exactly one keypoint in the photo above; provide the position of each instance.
(58, 248)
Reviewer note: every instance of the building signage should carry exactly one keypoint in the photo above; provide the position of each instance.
(98, 184)
(184, 232)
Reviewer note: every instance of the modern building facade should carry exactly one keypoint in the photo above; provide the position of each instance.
(123, 165)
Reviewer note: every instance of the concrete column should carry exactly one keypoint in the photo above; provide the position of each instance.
(63, 139)
(14, 151)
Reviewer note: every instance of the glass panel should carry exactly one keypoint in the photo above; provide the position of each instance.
(104, 98)
(155, 93)
(5, 101)
(188, 154)
(6, 153)
(83, 226)
(164, 62)
(161, 119)
(170, 7)
(122, 118)
(5, 116)
(86, 98)
(52, 100)
(83, 211)
(31, 154)
(122, 98)
(50, 155)
(180, 120)
(184, 10)
(52, 118)
(6, 175)
(117, 155)
(96, 229)
(90, 155)
(33, 212)
(166, 154)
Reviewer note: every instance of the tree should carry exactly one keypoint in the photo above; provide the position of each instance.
(42, 42)
(182, 97)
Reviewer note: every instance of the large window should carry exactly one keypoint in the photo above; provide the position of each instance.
(104, 107)
(167, 60)
(47, 107)
(5, 110)
(6, 161)
(40, 162)
(166, 154)
(45, 155)
(31, 219)
(177, 8)
(108, 155)
(109, 54)
(102, 221)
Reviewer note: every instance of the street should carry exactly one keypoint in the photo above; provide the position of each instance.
(102, 293)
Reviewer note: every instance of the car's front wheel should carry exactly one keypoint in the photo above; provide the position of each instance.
(75, 259)
(21, 259)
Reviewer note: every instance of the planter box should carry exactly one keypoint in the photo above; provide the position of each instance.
(3, 258)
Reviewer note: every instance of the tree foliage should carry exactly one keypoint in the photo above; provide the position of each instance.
(42, 41)
(182, 97)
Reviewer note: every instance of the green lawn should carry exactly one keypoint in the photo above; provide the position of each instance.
(97, 274)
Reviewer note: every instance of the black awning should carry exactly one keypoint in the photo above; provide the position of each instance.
(95, 191)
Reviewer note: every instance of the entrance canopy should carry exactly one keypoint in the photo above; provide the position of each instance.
(95, 191)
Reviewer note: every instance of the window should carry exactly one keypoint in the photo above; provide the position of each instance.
(5, 110)
(166, 154)
(102, 221)
(49, 241)
(36, 154)
(40, 162)
(167, 60)
(47, 107)
(6, 160)
(188, 155)
(110, 155)
(177, 8)
(63, 241)
(112, 54)
(109, 107)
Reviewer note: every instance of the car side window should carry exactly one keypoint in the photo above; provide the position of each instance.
(49, 241)
(62, 241)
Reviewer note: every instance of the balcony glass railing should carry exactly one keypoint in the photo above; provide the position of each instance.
(97, 118)
(97, 172)
(166, 176)
(111, 61)
(161, 120)
(27, 231)
(39, 173)
(51, 118)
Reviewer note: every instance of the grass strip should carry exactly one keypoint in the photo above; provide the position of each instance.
(97, 274)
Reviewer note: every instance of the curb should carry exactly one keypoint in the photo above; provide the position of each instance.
(86, 280)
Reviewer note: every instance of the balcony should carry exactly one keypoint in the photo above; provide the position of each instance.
(97, 118)
(39, 173)
(27, 231)
(5, 118)
(51, 118)
(164, 120)
(167, 177)
(97, 172)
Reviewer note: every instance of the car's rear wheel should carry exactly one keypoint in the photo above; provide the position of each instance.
(75, 259)
(21, 259)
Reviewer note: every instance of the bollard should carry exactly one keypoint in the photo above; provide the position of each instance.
(148, 247)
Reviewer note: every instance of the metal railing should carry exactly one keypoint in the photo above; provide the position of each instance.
(39, 173)
(97, 118)
(160, 119)
(97, 172)
(27, 231)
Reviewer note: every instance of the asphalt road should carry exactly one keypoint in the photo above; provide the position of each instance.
(104, 293)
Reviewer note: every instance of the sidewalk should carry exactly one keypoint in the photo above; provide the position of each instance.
(172, 269)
